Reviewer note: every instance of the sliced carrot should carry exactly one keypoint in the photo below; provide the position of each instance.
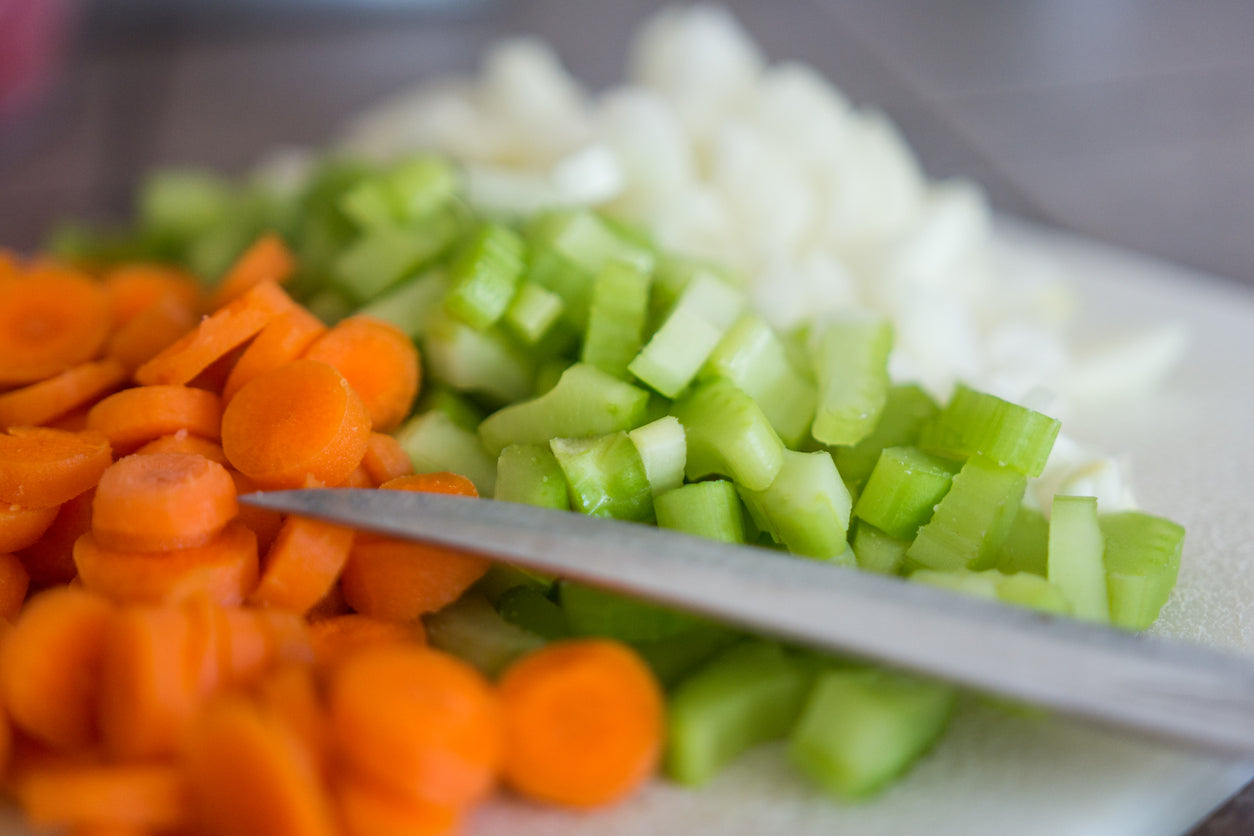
(264, 523)
(369, 810)
(150, 332)
(385, 459)
(50, 666)
(299, 421)
(266, 259)
(216, 336)
(343, 636)
(359, 478)
(419, 722)
(150, 796)
(162, 501)
(184, 442)
(215, 375)
(20, 527)
(224, 570)
(51, 398)
(249, 774)
(74, 421)
(6, 743)
(289, 694)
(50, 559)
(401, 580)
(133, 417)
(283, 340)
(40, 467)
(302, 564)
(136, 287)
(453, 484)
(14, 581)
(378, 360)
(583, 723)
(51, 319)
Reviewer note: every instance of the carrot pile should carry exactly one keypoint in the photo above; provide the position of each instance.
(172, 661)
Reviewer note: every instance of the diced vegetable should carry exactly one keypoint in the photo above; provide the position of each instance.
(1075, 556)
(851, 366)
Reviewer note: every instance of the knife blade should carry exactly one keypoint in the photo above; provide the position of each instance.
(1168, 689)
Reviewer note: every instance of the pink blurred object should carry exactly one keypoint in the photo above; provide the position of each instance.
(34, 42)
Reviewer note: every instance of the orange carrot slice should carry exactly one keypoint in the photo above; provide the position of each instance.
(136, 287)
(216, 336)
(224, 570)
(290, 695)
(184, 442)
(133, 417)
(40, 467)
(50, 559)
(20, 527)
(298, 422)
(14, 581)
(53, 397)
(369, 810)
(148, 796)
(162, 501)
(385, 459)
(150, 331)
(583, 723)
(303, 564)
(51, 319)
(421, 723)
(378, 360)
(263, 522)
(441, 481)
(283, 340)
(341, 637)
(50, 666)
(266, 259)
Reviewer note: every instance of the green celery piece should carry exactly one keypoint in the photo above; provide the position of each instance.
(485, 276)
(860, 729)
(807, 506)
(728, 435)
(548, 373)
(407, 192)
(671, 274)
(465, 413)
(680, 346)
(532, 313)
(435, 442)
(529, 474)
(382, 257)
(483, 362)
(752, 355)
(851, 367)
(663, 448)
(710, 509)
(605, 477)
(616, 318)
(750, 694)
(906, 409)
(976, 422)
(584, 402)
(472, 630)
(596, 612)
(502, 577)
(1142, 561)
(1020, 588)
(526, 606)
(902, 490)
(971, 522)
(1026, 548)
(179, 204)
(1075, 556)
(676, 656)
(876, 551)
(408, 304)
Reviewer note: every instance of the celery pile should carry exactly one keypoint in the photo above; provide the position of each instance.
(570, 363)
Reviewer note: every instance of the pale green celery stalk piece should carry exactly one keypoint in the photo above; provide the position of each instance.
(423, 185)
(970, 523)
(408, 305)
(474, 631)
(860, 729)
(903, 489)
(548, 373)
(673, 272)
(728, 435)
(485, 362)
(851, 367)
(907, 409)
(533, 312)
(1026, 548)
(485, 276)
(663, 448)
(975, 422)
(616, 318)
(750, 694)
(679, 347)
(530, 474)
(1021, 589)
(527, 606)
(1075, 556)
(597, 612)
(710, 509)
(465, 413)
(605, 477)
(435, 442)
(584, 402)
(752, 355)
(380, 258)
(806, 507)
(876, 551)
(1142, 561)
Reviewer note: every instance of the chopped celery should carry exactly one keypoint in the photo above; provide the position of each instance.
(679, 347)
(472, 630)
(465, 413)
(182, 204)
(1075, 556)
(596, 612)
(851, 366)
(710, 509)
(678, 655)
(903, 490)
(548, 373)
(485, 276)
(806, 507)
(485, 362)
(381, 258)
(1142, 560)
(529, 608)
(728, 435)
(862, 728)
(747, 695)
(616, 318)
(584, 402)
(672, 273)
(663, 448)
(605, 477)
(1026, 548)
(435, 442)
(407, 306)
(971, 522)
(875, 551)
(906, 409)
(532, 313)
(1020, 588)
(529, 474)
(976, 422)
(502, 577)
(752, 355)
(410, 191)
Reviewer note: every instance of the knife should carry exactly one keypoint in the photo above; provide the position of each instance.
(1171, 690)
